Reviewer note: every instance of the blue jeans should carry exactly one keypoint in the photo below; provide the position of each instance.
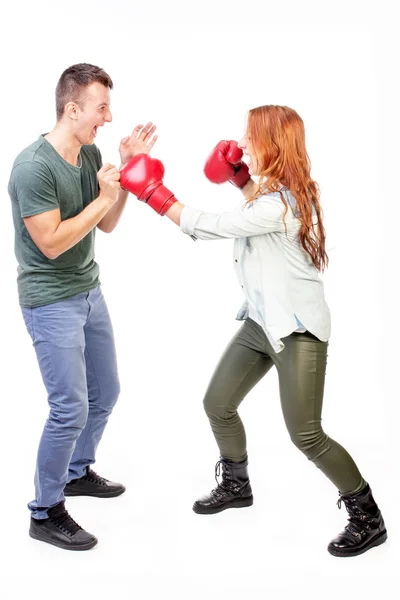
(75, 349)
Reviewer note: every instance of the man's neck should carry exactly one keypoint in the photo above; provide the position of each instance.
(65, 143)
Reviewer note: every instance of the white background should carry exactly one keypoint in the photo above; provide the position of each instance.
(195, 69)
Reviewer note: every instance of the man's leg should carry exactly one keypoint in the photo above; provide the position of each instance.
(103, 391)
(57, 334)
(57, 331)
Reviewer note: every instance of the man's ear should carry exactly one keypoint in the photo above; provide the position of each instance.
(71, 110)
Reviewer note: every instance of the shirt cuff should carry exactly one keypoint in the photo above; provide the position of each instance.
(188, 219)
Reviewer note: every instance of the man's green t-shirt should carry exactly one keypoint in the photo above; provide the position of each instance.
(42, 180)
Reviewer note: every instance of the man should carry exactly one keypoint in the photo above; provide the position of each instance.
(60, 193)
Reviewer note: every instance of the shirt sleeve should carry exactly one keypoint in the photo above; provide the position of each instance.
(265, 215)
(99, 158)
(34, 189)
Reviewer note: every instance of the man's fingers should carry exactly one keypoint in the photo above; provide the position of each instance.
(108, 168)
(112, 175)
(136, 130)
(105, 167)
(147, 132)
(108, 172)
(112, 170)
(141, 132)
(152, 142)
(150, 134)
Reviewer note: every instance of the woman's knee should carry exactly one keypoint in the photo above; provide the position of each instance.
(312, 443)
(216, 408)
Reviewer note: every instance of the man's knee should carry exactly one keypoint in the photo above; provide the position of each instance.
(70, 416)
(114, 390)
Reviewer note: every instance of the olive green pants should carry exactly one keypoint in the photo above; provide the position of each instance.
(301, 371)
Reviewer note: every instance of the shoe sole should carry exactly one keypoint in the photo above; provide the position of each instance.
(242, 503)
(70, 493)
(87, 546)
(380, 539)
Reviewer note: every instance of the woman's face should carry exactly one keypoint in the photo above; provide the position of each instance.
(246, 145)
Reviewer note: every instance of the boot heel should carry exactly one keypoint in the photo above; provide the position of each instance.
(243, 502)
(380, 539)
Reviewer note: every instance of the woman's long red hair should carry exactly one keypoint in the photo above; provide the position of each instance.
(277, 136)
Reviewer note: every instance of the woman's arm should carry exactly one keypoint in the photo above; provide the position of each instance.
(143, 176)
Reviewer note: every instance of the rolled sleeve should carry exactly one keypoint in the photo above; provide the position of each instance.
(188, 220)
(262, 216)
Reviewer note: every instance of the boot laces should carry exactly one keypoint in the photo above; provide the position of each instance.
(217, 471)
(227, 484)
(358, 520)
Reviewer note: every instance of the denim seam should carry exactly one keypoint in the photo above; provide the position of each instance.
(33, 327)
(51, 446)
(99, 395)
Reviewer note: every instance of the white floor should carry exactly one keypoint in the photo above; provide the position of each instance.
(151, 544)
(159, 444)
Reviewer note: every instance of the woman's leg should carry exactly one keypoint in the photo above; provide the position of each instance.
(242, 365)
(301, 370)
(240, 368)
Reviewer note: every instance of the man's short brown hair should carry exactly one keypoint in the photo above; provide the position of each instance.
(74, 80)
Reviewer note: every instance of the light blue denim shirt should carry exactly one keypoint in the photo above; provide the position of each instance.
(281, 285)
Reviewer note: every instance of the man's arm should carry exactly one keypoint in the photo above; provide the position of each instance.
(109, 222)
(140, 141)
(53, 236)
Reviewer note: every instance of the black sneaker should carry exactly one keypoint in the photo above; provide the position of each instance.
(92, 484)
(61, 530)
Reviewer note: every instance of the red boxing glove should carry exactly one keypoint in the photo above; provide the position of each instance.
(225, 164)
(142, 176)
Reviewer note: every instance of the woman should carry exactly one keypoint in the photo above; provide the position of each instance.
(279, 251)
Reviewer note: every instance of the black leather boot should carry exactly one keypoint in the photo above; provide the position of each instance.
(234, 491)
(61, 530)
(365, 528)
(92, 484)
